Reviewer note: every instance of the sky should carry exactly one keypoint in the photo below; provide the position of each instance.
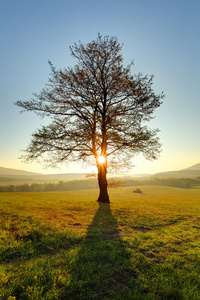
(162, 37)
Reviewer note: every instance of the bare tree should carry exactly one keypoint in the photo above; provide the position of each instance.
(99, 110)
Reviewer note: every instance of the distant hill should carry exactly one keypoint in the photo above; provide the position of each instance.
(191, 172)
(193, 168)
(13, 176)
(10, 172)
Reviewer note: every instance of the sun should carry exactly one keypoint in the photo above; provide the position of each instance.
(101, 159)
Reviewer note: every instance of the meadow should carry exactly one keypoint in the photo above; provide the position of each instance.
(64, 245)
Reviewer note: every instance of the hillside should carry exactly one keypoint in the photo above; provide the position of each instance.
(15, 172)
(193, 168)
(190, 172)
(13, 176)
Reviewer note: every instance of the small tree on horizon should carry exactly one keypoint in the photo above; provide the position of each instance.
(98, 110)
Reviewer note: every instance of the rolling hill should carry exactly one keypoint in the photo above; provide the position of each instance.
(15, 172)
(191, 172)
(193, 168)
(14, 176)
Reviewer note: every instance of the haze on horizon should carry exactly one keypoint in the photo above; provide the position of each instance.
(161, 37)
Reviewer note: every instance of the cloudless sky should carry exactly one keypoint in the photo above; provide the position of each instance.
(162, 37)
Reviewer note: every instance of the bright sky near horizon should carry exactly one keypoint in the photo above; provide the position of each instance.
(162, 37)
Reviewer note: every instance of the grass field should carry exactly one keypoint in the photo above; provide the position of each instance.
(64, 245)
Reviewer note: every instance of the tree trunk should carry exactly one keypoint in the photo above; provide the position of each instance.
(102, 181)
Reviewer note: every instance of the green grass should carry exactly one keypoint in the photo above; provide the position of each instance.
(64, 245)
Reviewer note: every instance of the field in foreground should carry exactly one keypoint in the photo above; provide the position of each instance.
(64, 245)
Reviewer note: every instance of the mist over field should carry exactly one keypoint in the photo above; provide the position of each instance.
(79, 181)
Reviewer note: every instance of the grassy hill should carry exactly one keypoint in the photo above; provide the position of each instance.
(63, 245)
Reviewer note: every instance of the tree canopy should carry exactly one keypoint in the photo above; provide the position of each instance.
(99, 110)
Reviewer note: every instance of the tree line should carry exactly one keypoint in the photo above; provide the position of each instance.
(92, 184)
(168, 181)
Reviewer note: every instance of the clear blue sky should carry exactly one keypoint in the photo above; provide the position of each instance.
(162, 37)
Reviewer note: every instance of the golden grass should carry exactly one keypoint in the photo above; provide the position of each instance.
(63, 245)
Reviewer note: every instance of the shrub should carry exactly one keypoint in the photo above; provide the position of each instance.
(137, 191)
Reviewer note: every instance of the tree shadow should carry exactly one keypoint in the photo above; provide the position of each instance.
(102, 269)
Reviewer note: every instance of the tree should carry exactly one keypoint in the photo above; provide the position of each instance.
(98, 110)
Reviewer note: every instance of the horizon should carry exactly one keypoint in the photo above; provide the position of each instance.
(150, 167)
(139, 174)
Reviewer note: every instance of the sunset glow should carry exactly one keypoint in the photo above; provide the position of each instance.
(101, 159)
(31, 24)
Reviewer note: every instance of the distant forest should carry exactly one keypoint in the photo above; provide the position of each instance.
(87, 184)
